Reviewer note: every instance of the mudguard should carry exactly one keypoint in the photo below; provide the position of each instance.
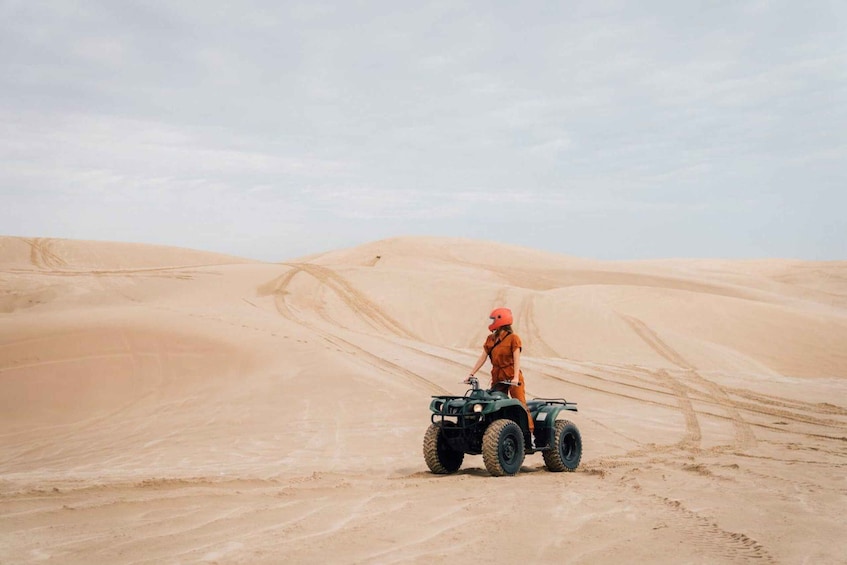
(545, 411)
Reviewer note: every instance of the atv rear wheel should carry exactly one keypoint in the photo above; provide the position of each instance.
(565, 449)
(502, 448)
(439, 456)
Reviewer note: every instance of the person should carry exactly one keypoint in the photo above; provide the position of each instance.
(503, 346)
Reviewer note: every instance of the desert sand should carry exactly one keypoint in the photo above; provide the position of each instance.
(161, 405)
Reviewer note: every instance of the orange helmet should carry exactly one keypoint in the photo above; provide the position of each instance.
(500, 317)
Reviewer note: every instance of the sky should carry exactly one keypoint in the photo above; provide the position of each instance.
(274, 129)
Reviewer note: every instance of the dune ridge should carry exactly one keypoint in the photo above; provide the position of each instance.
(168, 405)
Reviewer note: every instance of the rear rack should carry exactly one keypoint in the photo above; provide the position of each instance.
(539, 402)
(552, 401)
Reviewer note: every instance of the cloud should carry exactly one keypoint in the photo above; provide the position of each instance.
(375, 117)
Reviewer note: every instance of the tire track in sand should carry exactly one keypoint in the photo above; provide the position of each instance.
(605, 386)
(358, 303)
(353, 298)
(541, 347)
(42, 253)
(693, 433)
(708, 535)
(743, 432)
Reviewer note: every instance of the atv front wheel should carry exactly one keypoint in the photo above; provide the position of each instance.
(439, 456)
(502, 448)
(566, 448)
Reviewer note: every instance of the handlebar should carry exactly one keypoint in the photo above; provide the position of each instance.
(474, 382)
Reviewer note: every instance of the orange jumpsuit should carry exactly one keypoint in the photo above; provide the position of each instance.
(503, 368)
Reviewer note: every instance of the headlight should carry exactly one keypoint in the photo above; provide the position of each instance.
(477, 407)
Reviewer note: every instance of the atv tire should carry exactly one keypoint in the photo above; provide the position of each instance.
(503, 448)
(565, 449)
(439, 456)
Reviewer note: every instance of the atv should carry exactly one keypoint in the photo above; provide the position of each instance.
(490, 423)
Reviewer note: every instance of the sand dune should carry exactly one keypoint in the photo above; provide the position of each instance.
(161, 405)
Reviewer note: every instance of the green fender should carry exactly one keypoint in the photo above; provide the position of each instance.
(509, 408)
(544, 414)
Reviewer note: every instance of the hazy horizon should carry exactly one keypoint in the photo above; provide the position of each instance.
(276, 130)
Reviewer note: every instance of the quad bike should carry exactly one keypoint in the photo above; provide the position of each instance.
(491, 423)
